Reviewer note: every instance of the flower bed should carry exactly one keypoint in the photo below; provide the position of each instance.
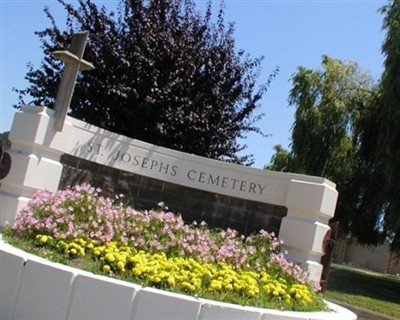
(34, 288)
(156, 248)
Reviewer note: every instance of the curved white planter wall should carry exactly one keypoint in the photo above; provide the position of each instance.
(33, 288)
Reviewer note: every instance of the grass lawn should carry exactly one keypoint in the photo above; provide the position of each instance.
(369, 290)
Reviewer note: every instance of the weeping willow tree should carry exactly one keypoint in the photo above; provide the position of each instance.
(329, 103)
(378, 176)
(348, 130)
(333, 104)
(384, 147)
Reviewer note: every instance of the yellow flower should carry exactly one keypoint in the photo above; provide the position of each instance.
(106, 268)
(215, 285)
(137, 272)
(171, 281)
(43, 239)
(229, 287)
(109, 257)
(251, 293)
(237, 286)
(155, 279)
(82, 252)
(120, 265)
(81, 242)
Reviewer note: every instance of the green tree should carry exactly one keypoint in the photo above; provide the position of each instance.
(378, 176)
(165, 74)
(328, 105)
(5, 144)
(333, 105)
(281, 160)
(382, 149)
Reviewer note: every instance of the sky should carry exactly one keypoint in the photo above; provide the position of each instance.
(288, 33)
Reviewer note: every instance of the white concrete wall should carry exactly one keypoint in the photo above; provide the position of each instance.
(373, 258)
(32, 288)
(36, 150)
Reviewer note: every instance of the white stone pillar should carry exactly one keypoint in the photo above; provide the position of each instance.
(310, 206)
(35, 154)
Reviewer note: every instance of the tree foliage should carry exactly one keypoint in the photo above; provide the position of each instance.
(349, 132)
(383, 148)
(165, 74)
(378, 172)
(328, 106)
(282, 160)
(330, 103)
(5, 144)
(333, 106)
